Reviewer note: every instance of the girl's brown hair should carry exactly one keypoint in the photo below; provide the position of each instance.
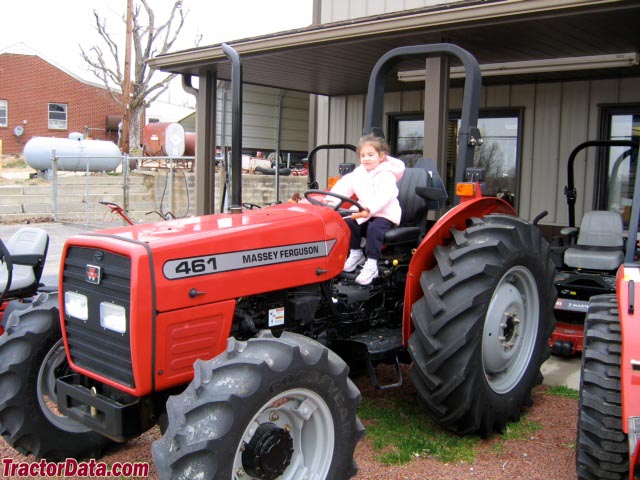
(376, 142)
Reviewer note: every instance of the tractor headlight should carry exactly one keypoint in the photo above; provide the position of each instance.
(113, 317)
(76, 305)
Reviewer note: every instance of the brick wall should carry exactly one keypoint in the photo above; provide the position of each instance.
(28, 83)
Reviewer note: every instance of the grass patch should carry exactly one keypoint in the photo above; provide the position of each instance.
(400, 430)
(562, 391)
(14, 162)
(521, 430)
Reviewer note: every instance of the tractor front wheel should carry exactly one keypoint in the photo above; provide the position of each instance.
(602, 449)
(482, 326)
(263, 409)
(32, 356)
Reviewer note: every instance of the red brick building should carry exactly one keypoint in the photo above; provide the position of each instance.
(41, 99)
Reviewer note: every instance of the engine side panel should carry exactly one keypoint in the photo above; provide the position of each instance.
(186, 335)
(630, 327)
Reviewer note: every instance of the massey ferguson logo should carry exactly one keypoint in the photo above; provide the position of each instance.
(93, 274)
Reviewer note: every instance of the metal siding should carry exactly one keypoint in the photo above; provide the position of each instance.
(375, 7)
(340, 10)
(392, 104)
(357, 8)
(412, 101)
(630, 90)
(574, 121)
(322, 162)
(260, 119)
(556, 118)
(337, 130)
(355, 119)
(497, 96)
(523, 96)
(546, 135)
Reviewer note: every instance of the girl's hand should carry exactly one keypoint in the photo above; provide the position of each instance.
(363, 214)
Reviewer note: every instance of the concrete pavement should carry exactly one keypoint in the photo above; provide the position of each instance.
(556, 370)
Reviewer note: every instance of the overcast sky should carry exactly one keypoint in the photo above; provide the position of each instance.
(55, 29)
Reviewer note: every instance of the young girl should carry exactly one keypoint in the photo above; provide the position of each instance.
(374, 184)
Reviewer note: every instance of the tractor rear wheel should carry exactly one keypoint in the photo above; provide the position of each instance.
(32, 356)
(263, 409)
(602, 449)
(482, 326)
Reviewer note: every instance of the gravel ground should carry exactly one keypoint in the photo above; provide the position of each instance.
(549, 453)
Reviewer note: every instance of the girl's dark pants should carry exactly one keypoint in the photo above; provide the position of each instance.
(374, 229)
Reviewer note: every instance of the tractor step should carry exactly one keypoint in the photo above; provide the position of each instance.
(382, 345)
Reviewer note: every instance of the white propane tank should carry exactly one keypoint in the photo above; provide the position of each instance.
(73, 155)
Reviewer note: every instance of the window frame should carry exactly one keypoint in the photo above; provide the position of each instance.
(607, 111)
(66, 116)
(454, 115)
(6, 113)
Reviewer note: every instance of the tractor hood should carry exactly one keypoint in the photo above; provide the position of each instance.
(201, 260)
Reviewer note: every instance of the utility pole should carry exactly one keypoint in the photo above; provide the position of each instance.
(126, 87)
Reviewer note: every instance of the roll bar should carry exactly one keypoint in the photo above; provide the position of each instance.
(469, 136)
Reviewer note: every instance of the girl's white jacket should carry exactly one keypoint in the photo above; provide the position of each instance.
(376, 190)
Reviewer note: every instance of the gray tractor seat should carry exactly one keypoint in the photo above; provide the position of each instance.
(600, 243)
(28, 250)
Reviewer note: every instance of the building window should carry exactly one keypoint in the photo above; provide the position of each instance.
(499, 155)
(617, 165)
(3, 113)
(58, 116)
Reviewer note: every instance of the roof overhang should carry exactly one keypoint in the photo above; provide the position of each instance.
(336, 58)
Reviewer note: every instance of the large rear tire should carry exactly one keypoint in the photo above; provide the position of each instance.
(266, 408)
(482, 326)
(602, 449)
(32, 356)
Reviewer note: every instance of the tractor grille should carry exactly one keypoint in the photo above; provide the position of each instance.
(99, 350)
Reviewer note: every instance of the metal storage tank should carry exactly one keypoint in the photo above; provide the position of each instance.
(73, 155)
(189, 144)
(163, 140)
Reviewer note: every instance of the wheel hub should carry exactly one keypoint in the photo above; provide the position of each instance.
(269, 452)
(510, 329)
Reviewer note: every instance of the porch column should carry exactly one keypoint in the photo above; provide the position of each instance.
(436, 106)
(205, 143)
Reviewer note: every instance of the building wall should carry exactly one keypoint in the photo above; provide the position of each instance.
(260, 119)
(337, 10)
(556, 118)
(29, 83)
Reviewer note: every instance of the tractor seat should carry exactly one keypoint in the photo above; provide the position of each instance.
(28, 250)
(600, 242)
(414, 196)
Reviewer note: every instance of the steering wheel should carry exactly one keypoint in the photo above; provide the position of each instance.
(343, 212)
(250, 206)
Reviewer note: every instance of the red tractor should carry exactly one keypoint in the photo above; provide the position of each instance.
(609, 399)
(229, 330)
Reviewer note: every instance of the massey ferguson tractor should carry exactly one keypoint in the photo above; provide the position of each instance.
(608, 443)
(231, 331)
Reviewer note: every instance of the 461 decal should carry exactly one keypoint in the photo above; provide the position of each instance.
(190, 267)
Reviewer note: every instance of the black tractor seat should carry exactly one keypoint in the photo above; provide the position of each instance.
(416, 196)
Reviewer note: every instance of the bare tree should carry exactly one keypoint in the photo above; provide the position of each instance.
(148, 40)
